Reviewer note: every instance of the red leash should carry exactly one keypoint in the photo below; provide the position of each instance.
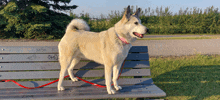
(98, 85)
(32, 87)
(102, 86)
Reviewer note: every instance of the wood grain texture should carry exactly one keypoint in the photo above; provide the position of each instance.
(80, 73)
(54, 57)
(38, 43)
(56, 65)
(52, 49)
(28, 57)
(133, 91)
(69, 83)
(39, 60)
(28, 49)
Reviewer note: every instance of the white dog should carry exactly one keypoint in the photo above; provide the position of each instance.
(109, 47)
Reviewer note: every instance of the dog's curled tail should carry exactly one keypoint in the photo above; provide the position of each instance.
(78, 24)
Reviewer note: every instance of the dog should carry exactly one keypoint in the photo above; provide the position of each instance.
(109, 47)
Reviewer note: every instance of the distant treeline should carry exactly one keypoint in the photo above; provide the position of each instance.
(163, 21)
(38, 22)
(194, 21)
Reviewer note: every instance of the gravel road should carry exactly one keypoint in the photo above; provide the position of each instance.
(156, 47)
(180, 47)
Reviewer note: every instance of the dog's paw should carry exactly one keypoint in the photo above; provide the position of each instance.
(111, 91)
(118, 87)
(74, 79)
(60, 88)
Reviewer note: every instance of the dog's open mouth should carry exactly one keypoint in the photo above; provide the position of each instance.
(138, 35)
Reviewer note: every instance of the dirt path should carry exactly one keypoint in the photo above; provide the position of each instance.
(181, 47)
(156, 47)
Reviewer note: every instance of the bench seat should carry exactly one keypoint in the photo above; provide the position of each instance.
(33, 66)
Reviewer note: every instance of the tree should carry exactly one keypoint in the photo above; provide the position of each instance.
(46, 3)
(34, 18)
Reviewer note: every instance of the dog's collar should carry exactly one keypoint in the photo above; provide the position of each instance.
(123, 39)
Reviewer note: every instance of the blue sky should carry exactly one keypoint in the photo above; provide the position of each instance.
(97, 7)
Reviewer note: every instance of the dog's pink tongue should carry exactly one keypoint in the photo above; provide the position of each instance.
(139, 35)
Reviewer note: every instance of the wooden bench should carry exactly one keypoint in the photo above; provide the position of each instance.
(33, 65)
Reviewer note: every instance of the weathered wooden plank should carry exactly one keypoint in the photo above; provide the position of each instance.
(28, 49)
(138, 56)
(38, 53)
(54, 57)
(29, 66)
(128, 64)
(125, 72)
(51, 49)
(28, 57)
(80, 73)
(69, 83)
(139, 49)
(56, 65)
(37, 43)
(135, 91)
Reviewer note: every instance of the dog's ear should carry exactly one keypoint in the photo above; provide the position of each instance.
(127, 14)
(137, 13)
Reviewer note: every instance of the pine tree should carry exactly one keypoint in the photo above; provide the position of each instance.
(33, 18)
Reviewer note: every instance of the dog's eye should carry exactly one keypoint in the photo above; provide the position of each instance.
(136, 23)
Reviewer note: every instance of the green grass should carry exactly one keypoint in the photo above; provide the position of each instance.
(187, 78)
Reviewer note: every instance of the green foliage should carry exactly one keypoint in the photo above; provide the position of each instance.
(33, 19)
(193, 22)
(163, 21)
(36, 20)
(38, 8)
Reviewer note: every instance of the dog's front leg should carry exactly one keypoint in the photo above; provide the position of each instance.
(108, 76)
(116, 70)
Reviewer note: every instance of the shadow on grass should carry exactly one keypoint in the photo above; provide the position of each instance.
(191, 82)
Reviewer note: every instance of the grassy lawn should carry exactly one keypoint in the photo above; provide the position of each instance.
(188, 78)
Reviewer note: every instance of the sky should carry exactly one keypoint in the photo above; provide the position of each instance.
(97, 7)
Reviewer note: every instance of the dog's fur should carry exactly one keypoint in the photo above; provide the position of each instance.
(105, 47)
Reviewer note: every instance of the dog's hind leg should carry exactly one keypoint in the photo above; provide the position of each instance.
(64, 63)
(70, 69)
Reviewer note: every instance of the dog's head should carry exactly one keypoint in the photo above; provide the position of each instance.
(130, 27)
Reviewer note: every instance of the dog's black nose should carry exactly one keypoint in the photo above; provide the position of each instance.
(147, 31)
